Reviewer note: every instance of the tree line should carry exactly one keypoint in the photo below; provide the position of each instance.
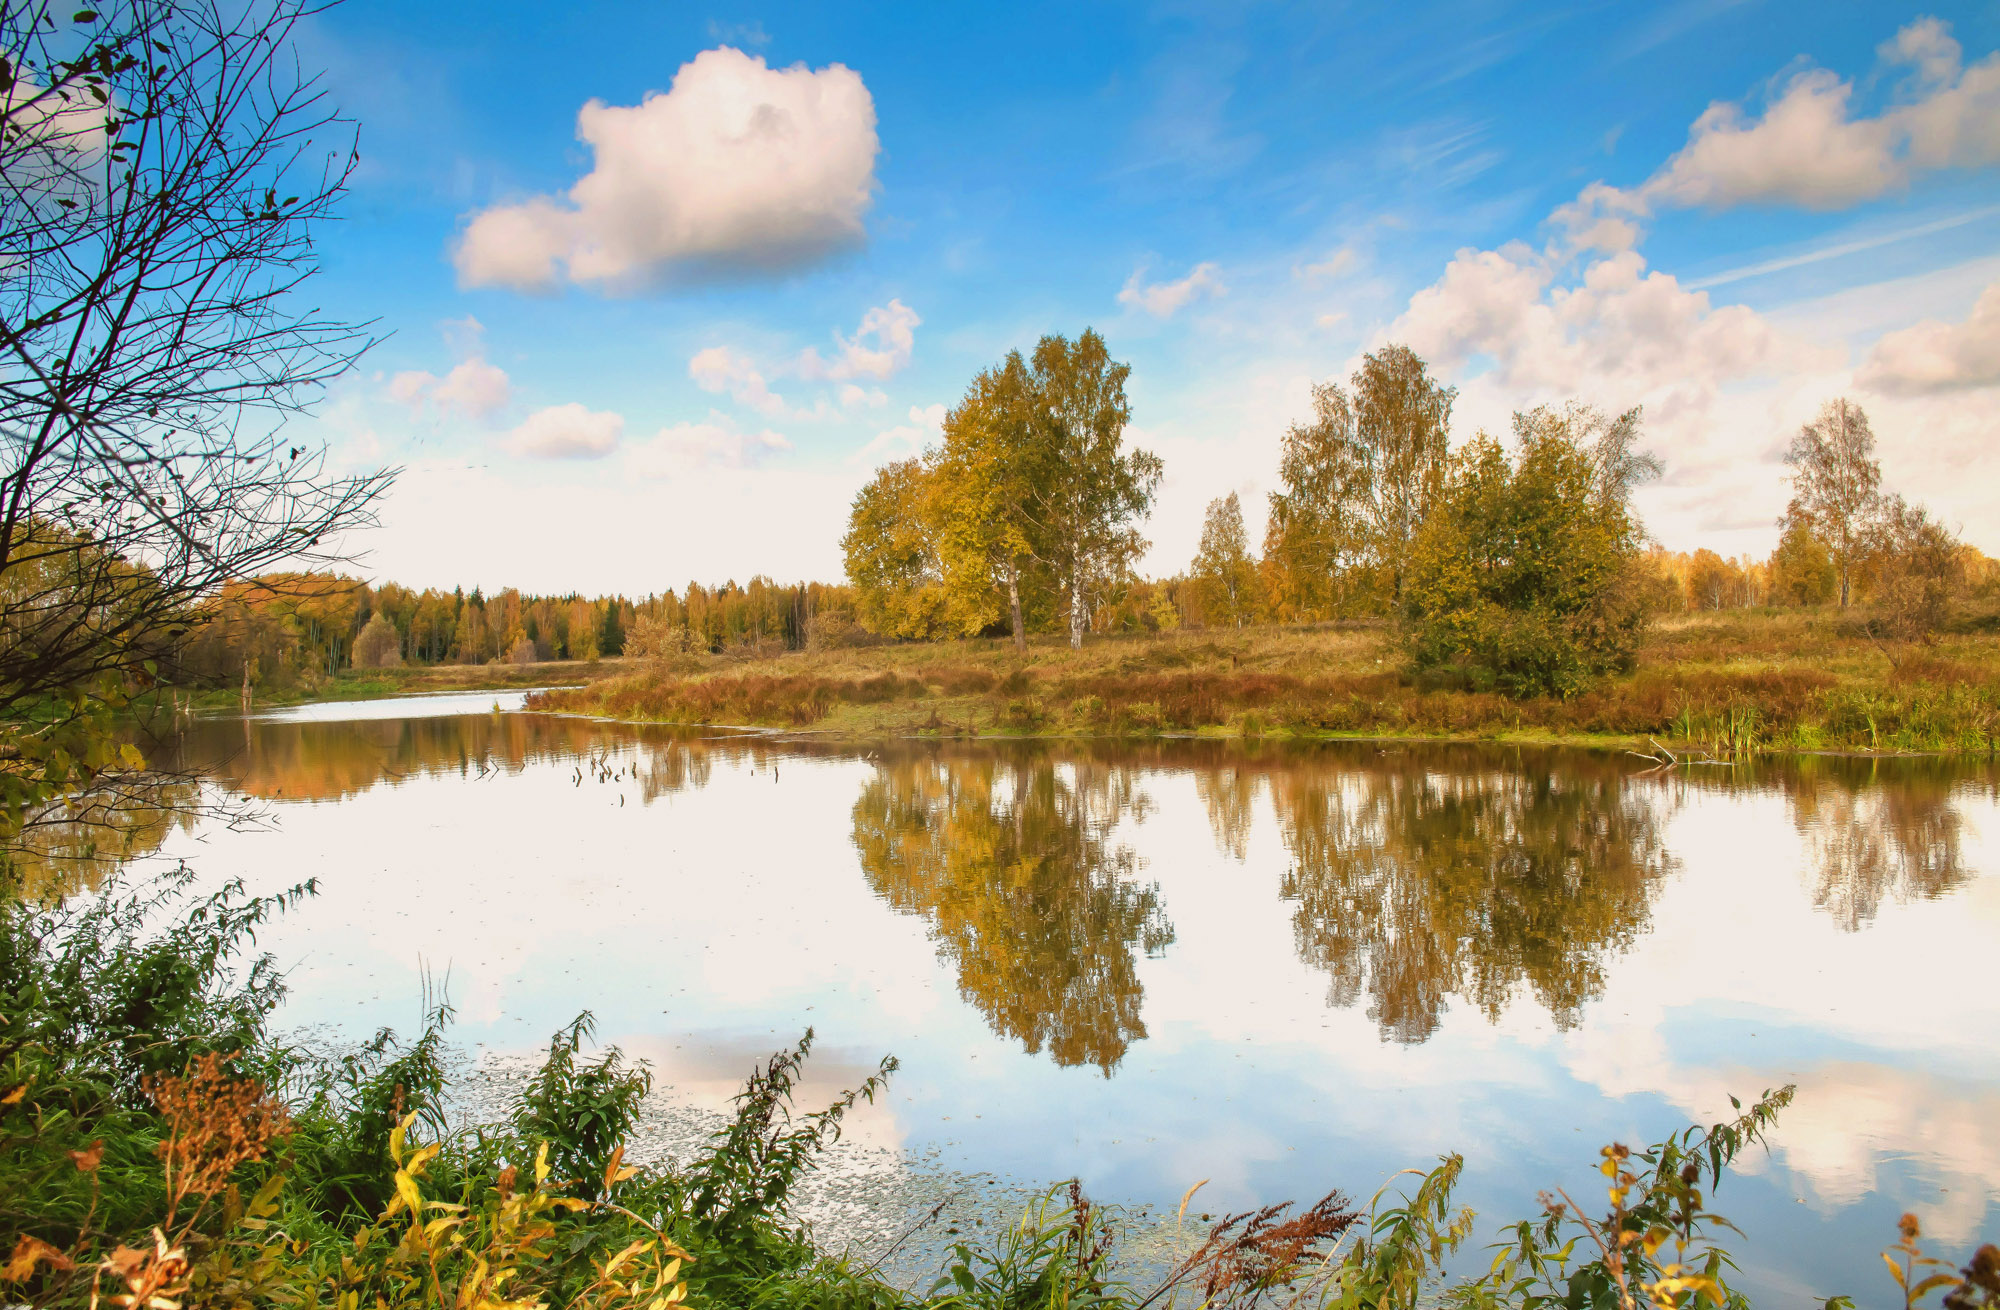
(1519, 563)
(283, 628)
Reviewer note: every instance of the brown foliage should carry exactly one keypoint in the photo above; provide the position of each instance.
(215, 1123)
(1258, 1250)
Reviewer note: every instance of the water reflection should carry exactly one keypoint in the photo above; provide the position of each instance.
(1006, 855)
(75, 844)
(1012, 920)
(1872, 838)
(1422, 877)
(1416, 874)
(328, 761)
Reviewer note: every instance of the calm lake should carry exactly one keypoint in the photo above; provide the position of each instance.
(1280, 969)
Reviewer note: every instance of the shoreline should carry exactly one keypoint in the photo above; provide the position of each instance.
(1721, 687)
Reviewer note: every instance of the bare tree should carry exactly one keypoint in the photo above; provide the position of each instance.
(1837, 486)
(163, 166)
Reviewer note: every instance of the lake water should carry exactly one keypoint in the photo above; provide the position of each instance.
(1278, 968)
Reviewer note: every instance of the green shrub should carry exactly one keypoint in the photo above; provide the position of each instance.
(1526, 570)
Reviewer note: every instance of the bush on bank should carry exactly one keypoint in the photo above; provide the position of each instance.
(161, 1148)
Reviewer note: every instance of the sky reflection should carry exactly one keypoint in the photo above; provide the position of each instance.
(1276, 968)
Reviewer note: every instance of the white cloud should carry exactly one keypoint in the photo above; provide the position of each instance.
(879, 348)
(567, 432)
(858, 397)
(719, 369)
(905, 439)
(474, 388)
(694, 447)
(1164, 299)
(1809, 148)
(1939, 356)
(1337, 264)
(1720, 384)
(1618, 325)
(737, 168)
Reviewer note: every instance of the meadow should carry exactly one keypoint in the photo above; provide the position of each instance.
(1717, 683)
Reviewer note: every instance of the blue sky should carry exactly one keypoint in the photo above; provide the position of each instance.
(673, 349)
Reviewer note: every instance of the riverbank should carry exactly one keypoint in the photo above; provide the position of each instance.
(1723, 684)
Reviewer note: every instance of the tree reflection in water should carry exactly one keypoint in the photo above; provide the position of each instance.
(1416, 874)
(1872, 835)
(74, 843)
(1421, 875)
(1005, 854)
(323, 761)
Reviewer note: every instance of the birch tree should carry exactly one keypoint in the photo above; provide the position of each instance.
(1314, 536)
(1224, 568)
(982, 497)
(1085, 491)
(1402, 419)
(1837, 486)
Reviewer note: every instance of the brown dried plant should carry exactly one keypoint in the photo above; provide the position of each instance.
(1248, 1254)
(215, 1123)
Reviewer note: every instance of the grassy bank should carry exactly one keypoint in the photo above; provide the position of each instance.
(1726, 683)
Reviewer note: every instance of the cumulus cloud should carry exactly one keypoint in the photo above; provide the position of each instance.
(1164, 299)
(1938, 356)
(737, 168)
(880, 347)
(1517, 328)
(721, 370)
(905, 439)
(1619, 325)
(474, 388)
(1809, 147)
(567, 432)
(694, 447)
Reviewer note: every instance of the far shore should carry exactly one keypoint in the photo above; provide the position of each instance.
(1716, 686)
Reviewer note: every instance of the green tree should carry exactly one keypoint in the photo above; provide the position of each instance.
(892, 553)
(981, 499)
(1837, 486)
(1085, 490)
(1314, 534)
(1528, 570)
(1224, 569)
(1402, 421)
(611, 633)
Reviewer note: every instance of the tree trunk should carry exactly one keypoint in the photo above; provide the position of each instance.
(1014, 605)
(1076, 606)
